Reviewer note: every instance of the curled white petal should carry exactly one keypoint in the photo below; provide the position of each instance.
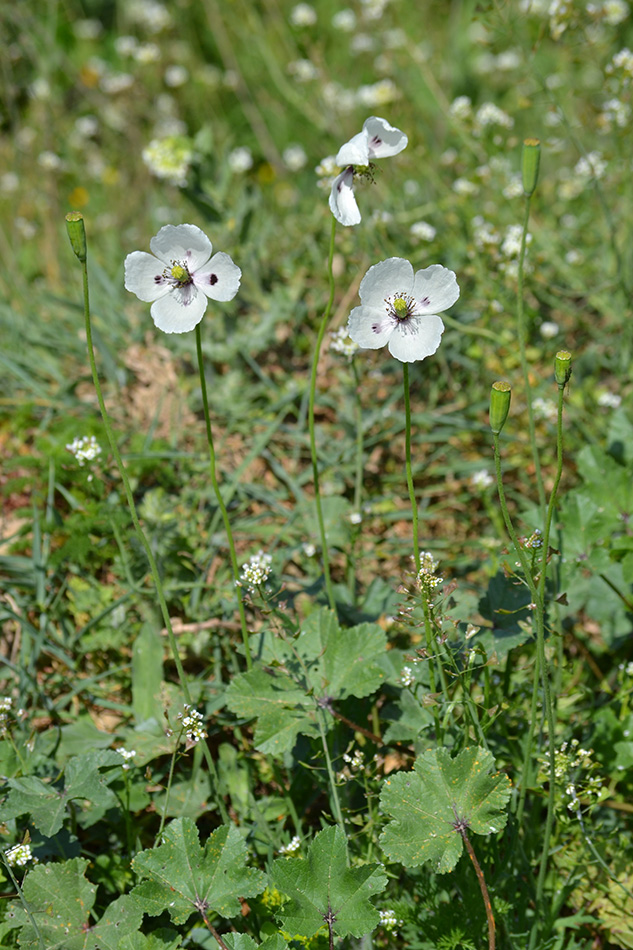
(342, 200)
(418, 340)
(220, 278)
(437, 287)
(378, 139)
(182, 242)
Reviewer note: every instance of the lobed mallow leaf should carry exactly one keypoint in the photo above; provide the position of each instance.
(185, 878)
(322, 889)
(441, 797)
(295, 676)
(60, 900)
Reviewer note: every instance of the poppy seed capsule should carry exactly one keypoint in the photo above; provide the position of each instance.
(77, 234)
(499, 405)
(530, 161)
(562, 367)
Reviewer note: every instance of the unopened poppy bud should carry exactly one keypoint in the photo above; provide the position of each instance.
(530, 161)
(77, 234)
(499, 405)
(562, 367)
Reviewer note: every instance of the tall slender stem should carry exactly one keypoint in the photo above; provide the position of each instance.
(311, 426)
(338, 814)
(407, 435)
(522, 335)
(141, 534)
(484, 891)
(220, 500)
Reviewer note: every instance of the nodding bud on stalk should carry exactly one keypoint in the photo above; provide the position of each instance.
(77, 234)
(530, 161)
(562, 367)
(499, 405)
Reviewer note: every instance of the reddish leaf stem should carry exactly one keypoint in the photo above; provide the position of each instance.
(484, 891)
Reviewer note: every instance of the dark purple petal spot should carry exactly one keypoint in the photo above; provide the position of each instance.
(375, 142)
(425, 302)
(375, 327)
(158, 278)
(213, 279)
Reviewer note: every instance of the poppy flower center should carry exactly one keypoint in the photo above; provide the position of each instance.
(401, 307)
(180, 275)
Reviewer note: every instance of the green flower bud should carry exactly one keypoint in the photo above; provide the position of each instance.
(530, 161)
(562, 367)
(499, 405)
(77, 234)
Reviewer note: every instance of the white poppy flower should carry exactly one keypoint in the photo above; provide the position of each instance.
(179, 276)
(377, 139)
(400, 308)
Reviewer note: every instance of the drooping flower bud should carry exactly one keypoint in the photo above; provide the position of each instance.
(530, 161)
(499, 405)
(77, 234)
(562, 367)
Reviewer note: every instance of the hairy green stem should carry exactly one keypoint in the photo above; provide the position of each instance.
(311, 426)
(220, 500)
(412, 499)
(338, 814)
(358, 482)
(522, 335)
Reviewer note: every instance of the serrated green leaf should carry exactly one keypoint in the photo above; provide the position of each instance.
(244, 942)
(121, 919)
(162, 939)
(185, 878)
(46, 804)
(321, 663)
(322, 888)
(439, 796)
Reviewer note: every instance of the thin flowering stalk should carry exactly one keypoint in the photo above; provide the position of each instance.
(311, 426)
(220, 501)
(358, 481)
(407, 435)
(522, 334)
(76, 231)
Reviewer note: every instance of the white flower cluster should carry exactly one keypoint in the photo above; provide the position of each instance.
(341, 342)
(85, 449)
(545, 409)
(571, 756)
(150, 14)
(427, 578)
(170, 159)
(292, 847)
(481, 479)
(240, 160)
(303, 15)
(534, 541)
(611, 12)
(422, 231)
(353, 764)
(256, 571)
(192, 721)
(406, 677)
(590, 166)
(609, 400)
(5, 708)
(19, 855)
(489, 115)
(128, 755)
(389, 921)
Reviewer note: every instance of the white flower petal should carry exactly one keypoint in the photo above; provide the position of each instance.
(370, 327)
(417, 338)
(144, 276)
(342, 201)
(383, 139)
(172, 315)
(184, 243)
(220, 278)
(435, 289)
(393, 276)
(354, 152)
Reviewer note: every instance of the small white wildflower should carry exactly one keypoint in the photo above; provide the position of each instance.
(126, 45)
(514, 188)
(292, 847)
(303, 15)
(88, 29)
(423, 231)
(294, 158)
(147, 53)
(511, 246)
(461, 108)
(240, 160)
(377, 94)
(85, 449)
(128, 755)
(488, 114)
(344, 20)
(19, 855)
(609, 400)
(614, 11)
(170, 159)
(591, 165)
(303, 70)
(545, 409)
(49, 160)
(150, 14)
(5, 708)
(481, 479)
(548, 329)
(114, 83)
(9, 182)
(623, 60)
(341, 342)
(355, 517)
(390, 922)
(357, 761)
(484, 234)
(192, 721)
(256, 571)
(406, 677)
(175, 76)
(309, 549)
(462, 186)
